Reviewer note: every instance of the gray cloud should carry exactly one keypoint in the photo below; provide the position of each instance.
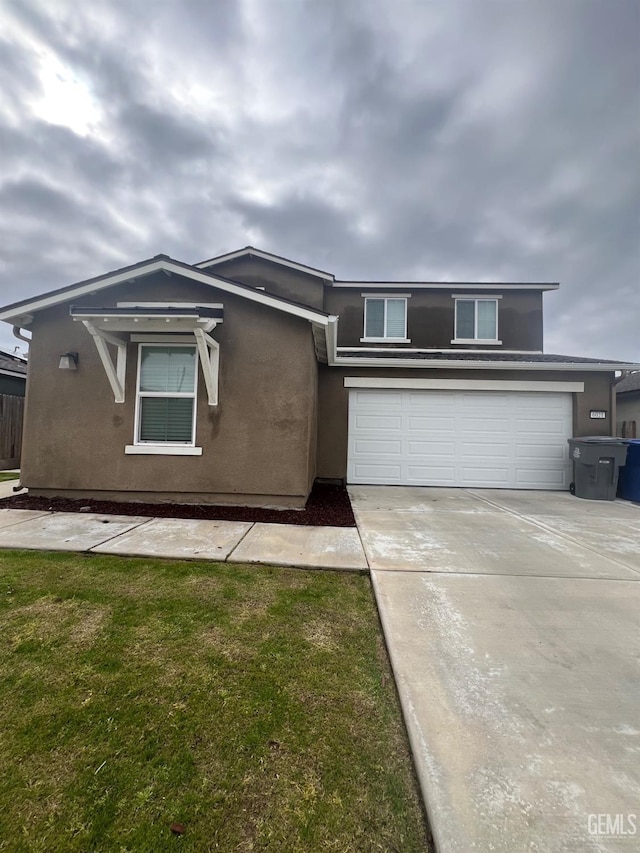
(471, 140)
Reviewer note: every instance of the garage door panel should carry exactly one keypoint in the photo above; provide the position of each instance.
(375, 399)
(540, 452)
(542, 478)
(419, 423)
(437, 475)
(377, 472)
(377, 422)
(454, 438)
(378, 447)
(498, 477)
(433, 402)
(484, 451)
(550, 427)
(434, 448)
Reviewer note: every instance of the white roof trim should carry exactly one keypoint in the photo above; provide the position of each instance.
(505, 287)
(441, 349)
(166, 265)
(461, 364)
(267, 256)
(461, 384)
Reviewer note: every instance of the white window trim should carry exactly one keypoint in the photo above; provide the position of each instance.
(479, 341)
(403, 338)
(159, 450)
(382, 341)
(167, 448)
(475, 340)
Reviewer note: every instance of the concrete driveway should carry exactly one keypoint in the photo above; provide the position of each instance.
(513, 624)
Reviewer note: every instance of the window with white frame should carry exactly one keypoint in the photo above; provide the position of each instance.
(476, 320)
(385, 318)
(166, 394)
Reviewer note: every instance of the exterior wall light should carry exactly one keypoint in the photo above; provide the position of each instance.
(68, 361)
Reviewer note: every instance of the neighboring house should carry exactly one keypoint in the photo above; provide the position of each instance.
(13, 374)
(243, 378)
(628, 405)
(13, 379)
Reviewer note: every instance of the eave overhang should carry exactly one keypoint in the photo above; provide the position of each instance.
(470, 286)
(468, 364)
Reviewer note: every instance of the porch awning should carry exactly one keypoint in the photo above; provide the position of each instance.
(108, 325)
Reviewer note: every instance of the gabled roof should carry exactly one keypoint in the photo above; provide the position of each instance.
(628, 383)
(20, 312)
(252, 252)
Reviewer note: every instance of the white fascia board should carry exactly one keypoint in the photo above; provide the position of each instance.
(331, 333)
(266, 256)
(13, 374)
(460, 384)
(168, 266)
(458, 364)
(442, 285)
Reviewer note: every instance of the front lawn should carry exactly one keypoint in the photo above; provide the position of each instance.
(8, 475)
(254, 706)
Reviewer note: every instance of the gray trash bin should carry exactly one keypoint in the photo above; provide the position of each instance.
(596, 462)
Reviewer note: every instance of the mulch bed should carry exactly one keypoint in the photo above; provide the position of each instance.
(328, 505)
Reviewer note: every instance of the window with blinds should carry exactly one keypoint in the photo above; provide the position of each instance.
(385, 318)
(166, 396)
(476, 320)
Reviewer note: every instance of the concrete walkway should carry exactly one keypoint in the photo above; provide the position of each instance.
(183, 538)
(512, 624)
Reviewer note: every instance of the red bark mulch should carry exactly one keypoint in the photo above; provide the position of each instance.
(328, 505)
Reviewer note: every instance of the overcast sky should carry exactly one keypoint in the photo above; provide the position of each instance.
(478, 140)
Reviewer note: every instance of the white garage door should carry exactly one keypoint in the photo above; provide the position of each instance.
(515, 440)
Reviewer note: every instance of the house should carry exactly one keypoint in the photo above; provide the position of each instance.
(13, 374)
(13, 379)
(628, 405)
(243, 378)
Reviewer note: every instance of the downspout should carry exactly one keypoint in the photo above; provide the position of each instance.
(17, 333)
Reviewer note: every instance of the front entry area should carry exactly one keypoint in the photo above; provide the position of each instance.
(482, 439)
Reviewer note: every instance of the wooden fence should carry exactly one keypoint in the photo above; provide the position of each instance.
(11, 414)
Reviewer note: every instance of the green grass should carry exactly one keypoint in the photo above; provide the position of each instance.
(253, 705)
(8, 475)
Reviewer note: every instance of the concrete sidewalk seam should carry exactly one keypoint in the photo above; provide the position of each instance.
(24, 520)
(115, 536)
(444, 574)
(241, 539)
(542, 526)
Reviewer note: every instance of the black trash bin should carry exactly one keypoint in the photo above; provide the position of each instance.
(596, 462)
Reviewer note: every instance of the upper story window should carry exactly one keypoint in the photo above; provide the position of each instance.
(385, 319)
(166, 395)
(476, 320)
